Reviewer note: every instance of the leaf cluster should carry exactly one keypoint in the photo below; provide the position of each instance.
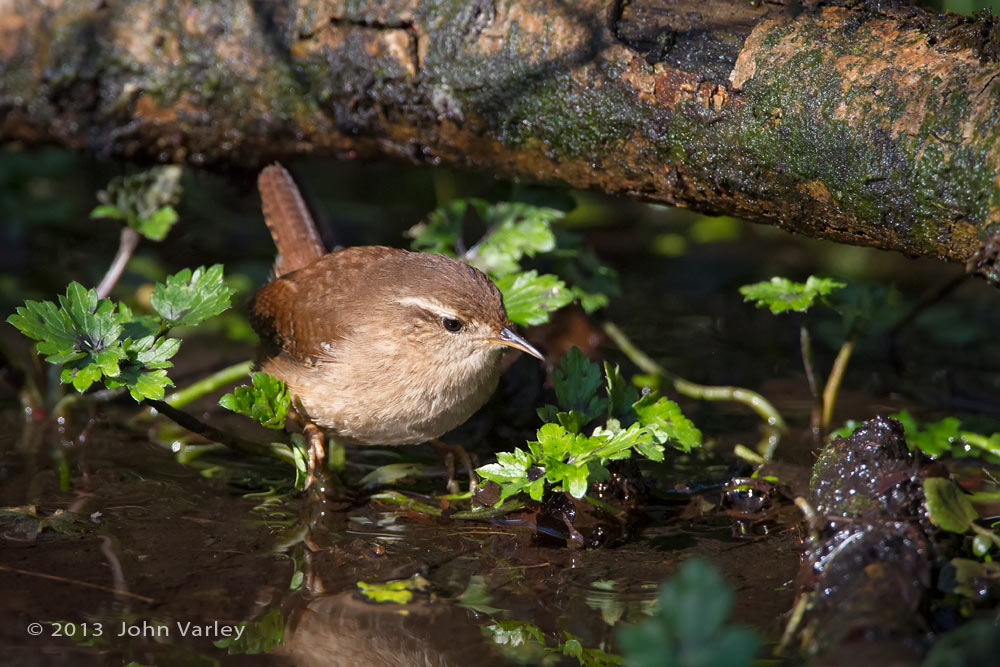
(266, 400)
(946, 438)
(691, 627)
(98, 340)
(144, 200)
(599, 418)
(519, 233)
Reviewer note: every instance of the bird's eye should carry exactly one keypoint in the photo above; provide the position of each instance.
(451, 325)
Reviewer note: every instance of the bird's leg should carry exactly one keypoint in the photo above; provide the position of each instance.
(448, 453)
(315, 443)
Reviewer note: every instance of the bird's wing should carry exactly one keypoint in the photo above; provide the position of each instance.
(305, 313)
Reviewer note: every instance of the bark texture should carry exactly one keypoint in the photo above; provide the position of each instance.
(873, 124)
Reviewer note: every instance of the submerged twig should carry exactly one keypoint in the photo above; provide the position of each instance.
(750, 398)
(77, 582)
(404, 501)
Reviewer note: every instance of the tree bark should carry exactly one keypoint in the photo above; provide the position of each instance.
(869, 123)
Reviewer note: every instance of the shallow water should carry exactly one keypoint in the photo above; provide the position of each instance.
(140, 545)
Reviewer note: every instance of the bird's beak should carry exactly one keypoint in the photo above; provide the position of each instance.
(510, 339)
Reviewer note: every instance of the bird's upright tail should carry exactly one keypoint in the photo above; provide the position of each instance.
(288, 219)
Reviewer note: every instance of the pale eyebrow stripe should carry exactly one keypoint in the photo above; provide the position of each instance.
(427, 304)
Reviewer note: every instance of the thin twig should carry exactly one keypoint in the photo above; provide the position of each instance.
(204, 386)
(65, 580)
(195, 425)
(809, 364)
(752, 399)
(127, 243)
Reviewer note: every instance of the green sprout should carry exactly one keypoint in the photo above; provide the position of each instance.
(691, 627)
(565, 457)
(144, 201)
(782, 295)
(266, 400)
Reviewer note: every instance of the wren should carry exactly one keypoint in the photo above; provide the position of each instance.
(378, 346)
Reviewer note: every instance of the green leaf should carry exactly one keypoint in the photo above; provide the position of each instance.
(82, 332)
(267, 400)
(530, 298)
(442, 233)
(156, 226)
(664, 419)
(516, 230)
(145, 200)
(399, 591)
(576, 381)
(191, 297)
(390, 473)
(932, 438)
(781, 294)
(621, 394)
(257, 637)
(690, 628)
(105, 211)
(947, 505)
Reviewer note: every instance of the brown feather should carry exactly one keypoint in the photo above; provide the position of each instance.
(288, 219)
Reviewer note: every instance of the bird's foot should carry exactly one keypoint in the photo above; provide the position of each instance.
(448, 454)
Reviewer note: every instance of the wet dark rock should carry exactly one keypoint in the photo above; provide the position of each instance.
(871, 470)
(868, 570)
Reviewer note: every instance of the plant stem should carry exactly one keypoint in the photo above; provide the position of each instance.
(816, 416)
(980, 441)
(207, 385)
(195, 425)
(984, 496)
(755, 401)
(834, 379)
(127, 243)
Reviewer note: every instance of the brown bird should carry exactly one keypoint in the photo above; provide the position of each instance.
(378, 346)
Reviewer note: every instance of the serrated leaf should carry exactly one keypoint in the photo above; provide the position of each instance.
(141, 384)
(190, 297)
(153, 352)
(516, 230)
(82, 332)
(267, 400)
(442, 232)
(529, 298)
(576, 381)
(158, 224)
(664, 419)
(781, 294)
(621, 394)
(947, 505)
